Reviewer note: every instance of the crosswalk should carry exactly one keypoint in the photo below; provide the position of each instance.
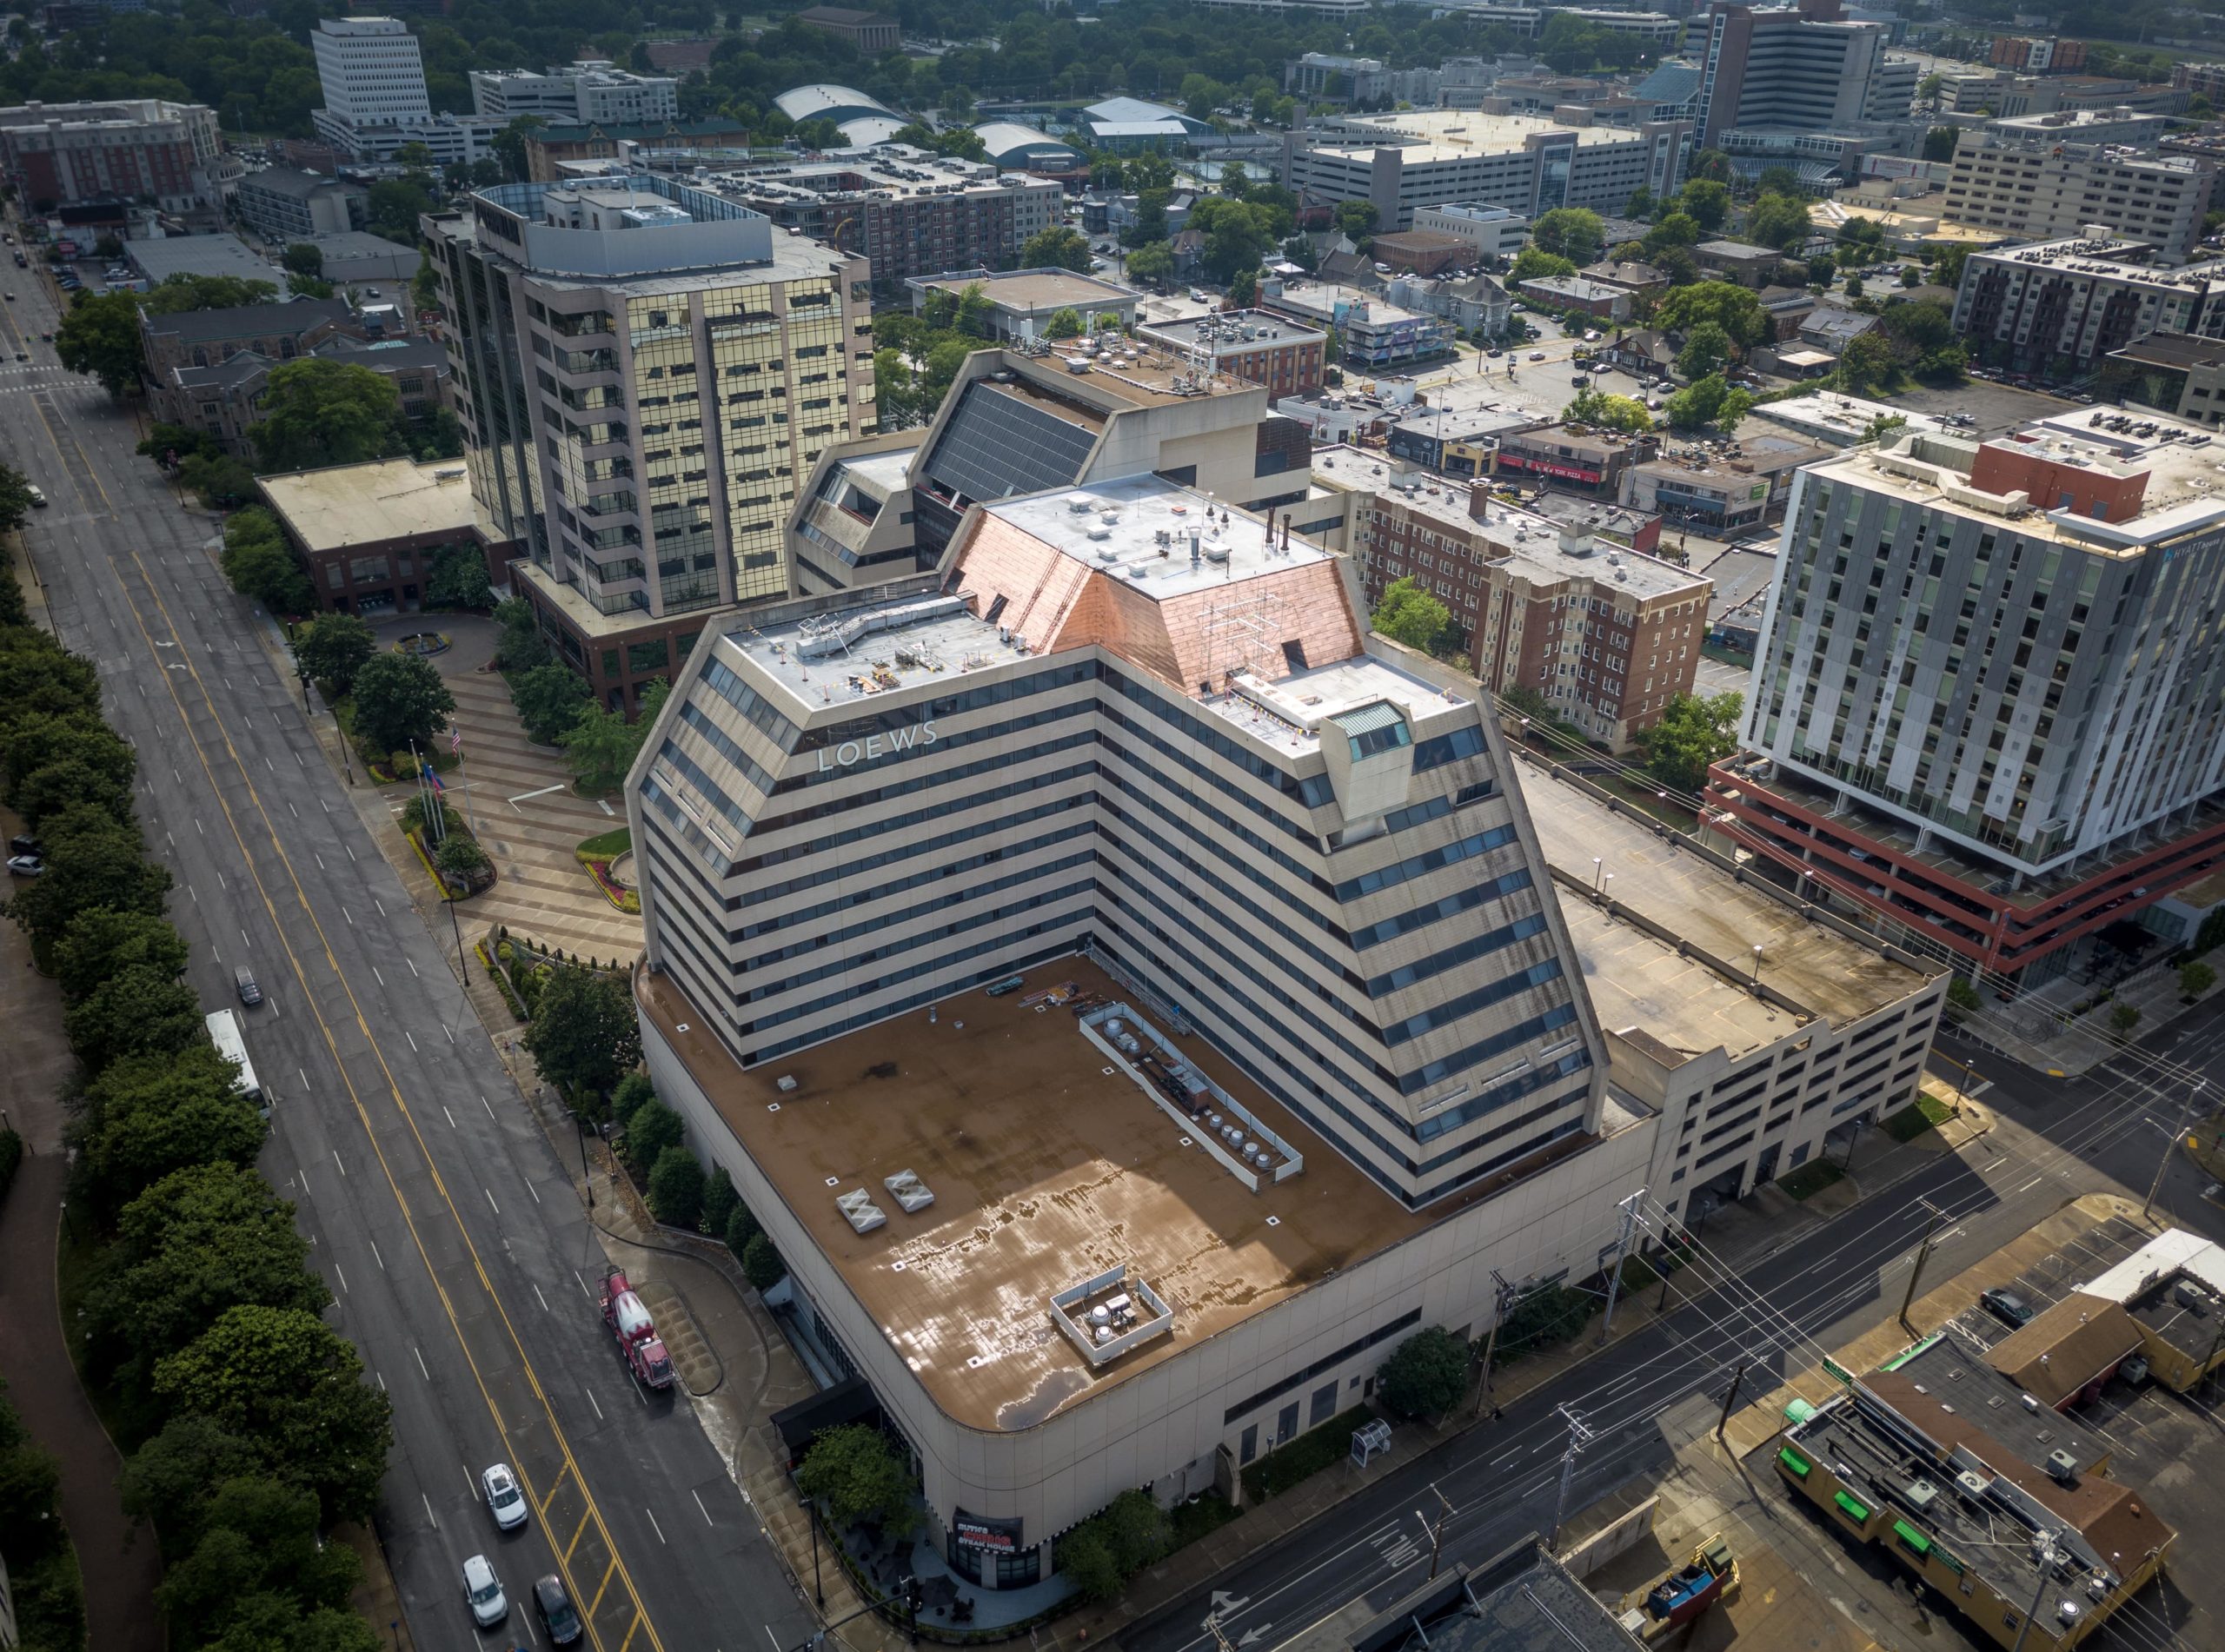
(16, 377)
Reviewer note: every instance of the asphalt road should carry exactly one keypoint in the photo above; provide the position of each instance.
(460, 1259)
(2056, 1141)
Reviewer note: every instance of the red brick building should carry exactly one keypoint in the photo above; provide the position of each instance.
(138, 149)
(1605, 635)
(1250, 344)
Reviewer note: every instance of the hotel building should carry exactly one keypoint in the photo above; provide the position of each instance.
(1133, 999)
(642, 370)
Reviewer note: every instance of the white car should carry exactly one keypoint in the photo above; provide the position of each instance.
(504, 1500)
(482, 1592)
(1537, 355)
(36, 495)
(26, 865)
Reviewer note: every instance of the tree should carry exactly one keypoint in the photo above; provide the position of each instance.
(100, 338)
(1779, 220)
(1694, 731)
(650, 1132)
(584, 1035)
(629, 1094)
(318, 412)
(1056, 248)
(100, 944)
(600, 746)
(1947, 269)
(1409, 614)
(523, 646)
(146, 1116)
(425, 285)
(1674, 229)
(15, 505)
(257, 1566)
(1152, 263)
(1867, 363)
(1534, 263)
(461, 858)
(1712, 164)
(260, 564)
(1355, 220)
(1086, 1557)
(1707, 348)
(1244, 288)
(137, 1012)
(719, 1201)
(399, 699)
(43, 740)
(168, 1480)
(762, 1264)
(395, 205)
(977, 313)
(303, 258)
(199, 1241)
(1065, 323)
(510, 145)
(1238, 234)
(1939, 143)
(1730, 306)
(1608, 412)
(853, 1474)
(676, 1189)
(2124, 1018)
(1572, 233)
(333, 647)
(1962, 1001)
(281, 1377)
(1706, 203)
(549, 700)
(740, 1228)
(1425, 1374)
(2197, 977)
(175, 295)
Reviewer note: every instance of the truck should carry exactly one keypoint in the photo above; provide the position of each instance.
(628, 1322)
(224, 1032)
(1682, 1593)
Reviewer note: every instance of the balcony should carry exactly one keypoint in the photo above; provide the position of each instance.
(620, 502)
(605, 361)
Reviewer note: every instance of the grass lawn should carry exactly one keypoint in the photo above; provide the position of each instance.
(1926, 1112)
(1304, 1456)
(609, 846)
(1811, 1179)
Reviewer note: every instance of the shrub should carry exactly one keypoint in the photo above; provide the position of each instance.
(2124, 1018)
(630, 1093)
(2197, 977)
(1426, 1374)
(11, 1155)
(676, 1188)
(762, 1264)
(719, 1202)
(652, 1129)
(740, 1228)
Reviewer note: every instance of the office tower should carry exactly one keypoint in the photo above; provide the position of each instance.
(1800, 69)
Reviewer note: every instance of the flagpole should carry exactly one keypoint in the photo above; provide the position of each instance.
(456, 747)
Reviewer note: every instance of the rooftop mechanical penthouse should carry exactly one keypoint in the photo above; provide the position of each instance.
(1134, 749)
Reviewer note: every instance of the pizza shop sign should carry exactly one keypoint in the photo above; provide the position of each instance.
(850, 753)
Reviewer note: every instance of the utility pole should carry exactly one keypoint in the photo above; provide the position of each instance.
(1729, 1399)
(1579, 1437)
(2045, 1559)
(1437, 1532)
(1629, 1208)
(1505, 1300)
(1923, 1254)
(2186, 1112)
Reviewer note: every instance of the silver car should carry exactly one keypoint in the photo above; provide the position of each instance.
(504, 1500)
(482, 1592)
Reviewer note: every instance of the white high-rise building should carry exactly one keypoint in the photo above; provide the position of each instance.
(594, 91)
(371, 71)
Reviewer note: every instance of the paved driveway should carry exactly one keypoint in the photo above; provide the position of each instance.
(529, 820)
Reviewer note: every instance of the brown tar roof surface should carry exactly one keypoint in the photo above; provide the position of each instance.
(2062, 1349)
(1047, 1168)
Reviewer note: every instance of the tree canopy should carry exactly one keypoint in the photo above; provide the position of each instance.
(1705, 402)
(318, 412)
(260, 564)
(854, 1474)
(584, 1036)
(1425, 1374)
(1744, 322)
(1608, 412)
(1408, 614)
(1573, 233)
(1056, 248)
(333, 647)
(399, 699)
(1694, 731)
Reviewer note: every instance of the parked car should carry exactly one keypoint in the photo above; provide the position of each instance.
(23, 844)
(556, 1611)
(482, 1592)
(2006, 1306)
(504, 1500)
(26, 865)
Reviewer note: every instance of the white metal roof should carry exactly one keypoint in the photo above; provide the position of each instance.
(2173, 1251)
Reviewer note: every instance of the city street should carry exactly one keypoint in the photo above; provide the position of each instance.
(455, 1246)
(2053, 1141)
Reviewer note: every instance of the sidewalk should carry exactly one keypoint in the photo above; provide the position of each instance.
(2039, 1031)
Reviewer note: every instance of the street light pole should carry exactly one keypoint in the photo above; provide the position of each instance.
(1923, 1254)
(2186, 1111)
(1437, 1532)
(2045, 1559)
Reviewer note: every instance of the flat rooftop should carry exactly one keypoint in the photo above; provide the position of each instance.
(886, 471)
(1322, 297)
(213, 255)
(2184, 491)
(1048, 1166)
(1453, 134)
(1685, 895)
(386, 499)
(1829, 415)
(1114, 527)
(1225, 329)
(1029, 290)
(2113, 260)
(1288, 713)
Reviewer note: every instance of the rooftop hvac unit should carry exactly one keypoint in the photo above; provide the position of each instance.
(785, 1082)
(1972, 1485)
(1921, 1495)
(2062, 1467)
(2189, 1297)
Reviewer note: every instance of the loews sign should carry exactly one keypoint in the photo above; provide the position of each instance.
(850, 753)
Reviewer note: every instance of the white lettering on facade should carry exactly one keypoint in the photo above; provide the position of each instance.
(850, 752)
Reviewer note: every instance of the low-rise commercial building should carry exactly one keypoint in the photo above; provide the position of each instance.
(1476, 304)
(201, 338)
(1023, 302)
(1583, 459)
(1455, 441)
(1934, 1459)
(1623, 525)
(550, 150)
(1283, 356)
(224, 400)
(137, 148)
(1603, 635)
(1838, 421)
(1013, 423)
(906, 219)
(1724, 494)
(1404, 161)
(1574, 293)
(1737, 261)
(1014, 148)
(1373, 332)
(2043, 188)
(369, 533)
(1494, 232)
(1422, 252)
(1640, 281)
(594, 92)
(2182, 375)
(282, 204)
(2061, 307)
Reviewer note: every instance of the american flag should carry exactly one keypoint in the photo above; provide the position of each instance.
(456, 740)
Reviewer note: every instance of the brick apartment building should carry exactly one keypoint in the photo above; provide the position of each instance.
(1605, 635)
(1284, 355)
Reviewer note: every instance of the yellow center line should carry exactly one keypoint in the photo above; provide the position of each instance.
(54, 436)
(554, 1486)
(393, 1089)
(576, 1532)
(632, 1629)
(603, 1585)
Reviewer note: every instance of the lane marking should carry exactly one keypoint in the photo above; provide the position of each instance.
(700, 1509)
